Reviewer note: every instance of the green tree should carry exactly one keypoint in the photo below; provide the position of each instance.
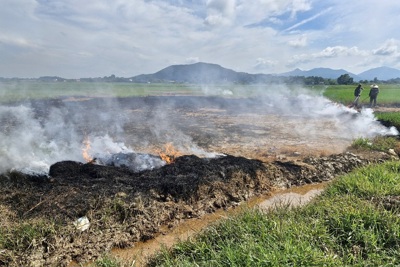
(345, 79)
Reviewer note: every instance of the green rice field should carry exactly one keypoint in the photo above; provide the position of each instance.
(14, 91)
(388, 93)
(25, 90)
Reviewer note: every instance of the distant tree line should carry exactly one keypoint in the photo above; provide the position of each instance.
(305, 80)
(342, 80)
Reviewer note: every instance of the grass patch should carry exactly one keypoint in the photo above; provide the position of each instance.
(361, 234)
(252, 239)
(110, 261)
(26, 235)
(343, 227)
(389, 118)
(362, 143)
(371, 181)
(388, 94)
(379, 143)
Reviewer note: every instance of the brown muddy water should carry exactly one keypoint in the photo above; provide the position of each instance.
(292, 197)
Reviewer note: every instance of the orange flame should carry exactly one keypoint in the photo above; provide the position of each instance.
(85, 150)
(169, 153)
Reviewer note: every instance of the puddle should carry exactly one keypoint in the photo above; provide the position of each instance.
(291, 199)
(142, 250)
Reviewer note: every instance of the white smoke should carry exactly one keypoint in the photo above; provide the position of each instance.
(105, 146)
(31, 141)
(32, 145)
(25, 143)
(215, 91)
(313, 110)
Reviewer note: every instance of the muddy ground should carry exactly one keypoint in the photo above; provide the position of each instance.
(230, 153)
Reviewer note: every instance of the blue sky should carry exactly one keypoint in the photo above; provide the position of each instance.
(96, 38)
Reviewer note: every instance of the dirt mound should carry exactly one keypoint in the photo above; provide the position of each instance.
(124, 207)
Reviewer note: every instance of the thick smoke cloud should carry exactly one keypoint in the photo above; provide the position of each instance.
(27, 144)
(36, 134)
(313, 109)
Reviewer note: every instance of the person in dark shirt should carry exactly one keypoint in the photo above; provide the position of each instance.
(373, 94)
(357, 94)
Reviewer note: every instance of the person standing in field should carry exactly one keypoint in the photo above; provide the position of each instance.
(373, 94)
(357, 94)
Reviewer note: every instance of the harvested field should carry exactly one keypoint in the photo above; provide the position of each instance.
(225, 151)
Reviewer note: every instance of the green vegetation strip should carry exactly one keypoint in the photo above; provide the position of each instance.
(389, 118)
(28, 90)
(355, 222)
(389, 94)
(379, 143)
(17, 91)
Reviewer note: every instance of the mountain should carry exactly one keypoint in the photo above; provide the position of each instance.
(213, 73)
(201, 73)
(381, 73)
(326, 73)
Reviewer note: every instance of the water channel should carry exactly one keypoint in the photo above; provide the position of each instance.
(292, 197)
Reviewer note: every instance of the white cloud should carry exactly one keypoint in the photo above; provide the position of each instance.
(16, 41)
(263, 64)
(191, 60)
(308, 20)
(330, 52)
(335, 55)
(300, 41)
(220, 12)
(389, 48)
(340, 51)
(256, 11)
(300, 5)
(126, 38)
